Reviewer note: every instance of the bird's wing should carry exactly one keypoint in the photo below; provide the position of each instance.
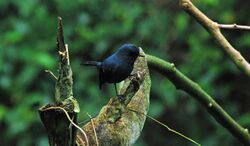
(105, 72)
(107, 69)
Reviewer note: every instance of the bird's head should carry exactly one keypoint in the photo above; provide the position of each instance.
(130, 50)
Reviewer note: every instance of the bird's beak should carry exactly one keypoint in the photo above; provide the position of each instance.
(141, 55)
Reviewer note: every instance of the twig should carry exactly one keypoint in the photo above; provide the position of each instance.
(168, 128)
(67, 51)
(184, 83)
(51, 73)
(81, 140)
(234, 26)
(67, 115)
(93, 125)
(214, 29)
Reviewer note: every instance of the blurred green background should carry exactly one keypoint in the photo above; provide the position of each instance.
(93, 30)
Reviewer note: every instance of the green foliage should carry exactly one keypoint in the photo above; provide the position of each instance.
(93, 29)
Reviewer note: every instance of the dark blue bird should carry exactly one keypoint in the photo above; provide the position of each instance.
(118, 66)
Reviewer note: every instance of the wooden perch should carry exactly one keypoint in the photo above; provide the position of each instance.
(116, 124)
(214, 29)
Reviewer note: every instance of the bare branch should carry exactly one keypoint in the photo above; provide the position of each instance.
(167, 127)
(214, 29)
(234, 26)
(51, 73)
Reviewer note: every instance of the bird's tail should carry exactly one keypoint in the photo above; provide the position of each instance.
(91, 63)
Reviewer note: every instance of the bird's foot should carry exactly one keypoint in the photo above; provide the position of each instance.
(131, 76)
(134, 76)
(121, 97)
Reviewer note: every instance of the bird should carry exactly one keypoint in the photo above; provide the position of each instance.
(118, 66)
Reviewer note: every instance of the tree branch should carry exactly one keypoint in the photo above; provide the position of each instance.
(234, 26)
(184, 83)
(51, 73)
(214, 29)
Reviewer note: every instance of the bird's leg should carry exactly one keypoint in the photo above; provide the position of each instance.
(116, 89)
(120, 97)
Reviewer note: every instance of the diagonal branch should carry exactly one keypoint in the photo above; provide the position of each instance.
(214, 29)
(184, 83)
